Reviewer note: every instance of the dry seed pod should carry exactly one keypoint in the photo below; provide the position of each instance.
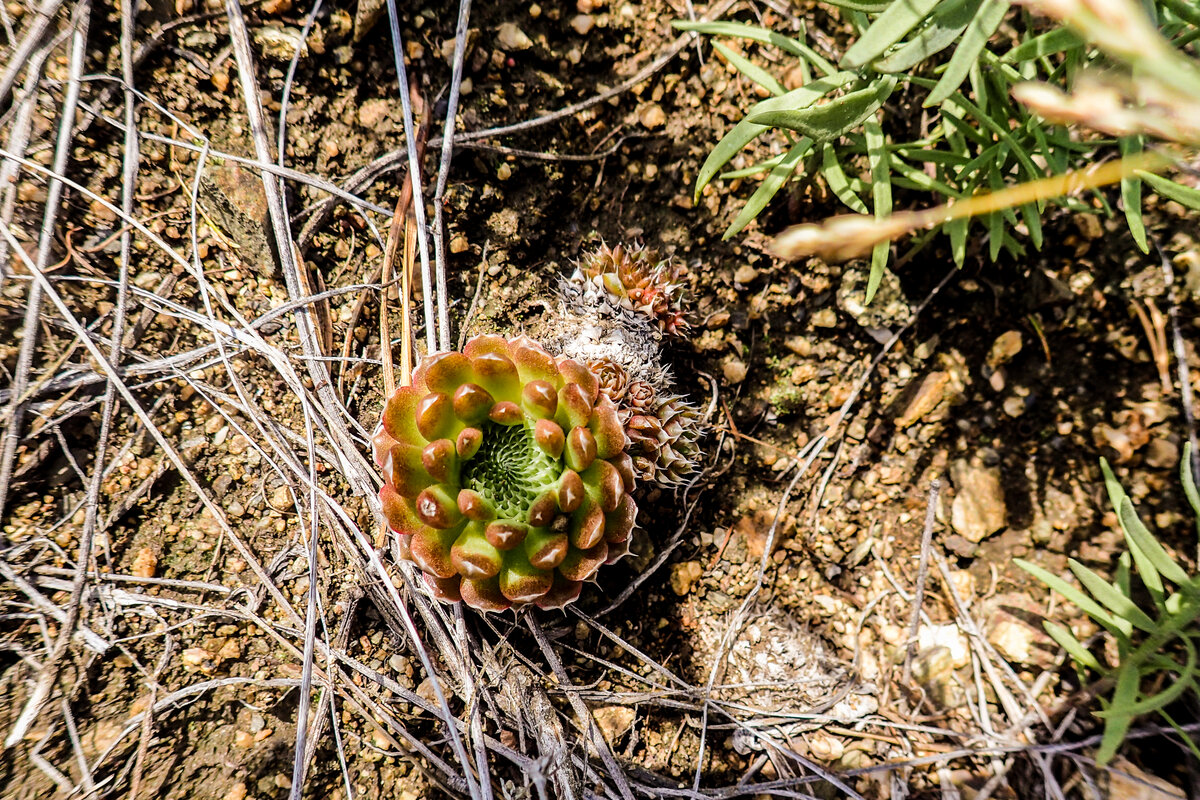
(505, 475)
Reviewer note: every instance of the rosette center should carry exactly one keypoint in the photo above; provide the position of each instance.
(509, 470)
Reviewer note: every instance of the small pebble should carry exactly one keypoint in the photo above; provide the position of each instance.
(825, 318)
(583, 23)
(745, 275)
(652, 116)
(735, 370)
(684, 576)
(513, 38)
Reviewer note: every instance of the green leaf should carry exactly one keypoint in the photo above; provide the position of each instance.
(769, 187)
(836, 180)
(754, 169)
(1075, 649)
(1131, 195)
(976, 37)
(751, 70)
(948, 22)
(1120, 605)
(881, 195)
(1184, 681)
(888, 28)
(1138, 533)
(1085, 603)
(1189, 481)
(1117, 725)
(1049, 43)
(741, 30)
(864, 6)
(830, 120)
(957, 231)
(745, 131)
(1184, 195)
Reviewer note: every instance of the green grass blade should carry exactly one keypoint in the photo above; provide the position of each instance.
(830, 120)
(1138, 533)
(948, 22)
(1075, 649)
(755, 169)
(1189, 480)
(836, 180)
(1184, 195)
(865, 6)
(1121, 606)
(1184, 681)
(1117, 725)
(751, 70)
(957, 231)
(769, 187)
(888, 28)
(1085, 603)
(1131, 195)
(745, 131)
(741, 30)
(1049, 43)
(881, 195)
(974, 39)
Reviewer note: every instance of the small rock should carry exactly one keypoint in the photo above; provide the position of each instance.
(614, 721)
(243, 739)
(948, 636)
(1014, 406)
(1162, 454)
(825, 318)
(583, 23)
(504, 171)
(925, 399)
(194, 656)
(978, 509)
(735, 370)
(373, 112)
(684, 576)
(824, 747)
(459, 244)
(1059, 508)
(799, 345)
(237, 792)
(280, 44)
(652, 116)
(512, 38)
(1127, 782)
(745, 275)
(145, 564)
(1007, 345)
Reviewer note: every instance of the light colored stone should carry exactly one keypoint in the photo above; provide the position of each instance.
(745, 274)
(145, 564)
(614, 721)
(1007, 345)
(978, 510)
(735, 370)
(825, 318)
(928, 396)
(824, 747)
(1162, 454)
(583, 23)
(511, 37)
(652, 116)
(684, 576)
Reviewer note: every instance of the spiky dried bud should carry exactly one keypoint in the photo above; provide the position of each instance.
(505, 474)
(640, 281)
(664, 442)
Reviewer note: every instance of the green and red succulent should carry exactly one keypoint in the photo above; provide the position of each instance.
(505, 474)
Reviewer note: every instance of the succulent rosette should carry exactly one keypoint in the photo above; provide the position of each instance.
(640, 281)
(664, 442)
(505, 475)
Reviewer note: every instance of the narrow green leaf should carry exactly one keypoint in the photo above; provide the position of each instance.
(1075, 649)
(1049, 43)
(741, 30)
(1115, 727)
(888, 28)
(1184, 681)
(751, 70)
(1085, 603)
(1184, 195)
(1140, 534)
(754, 169)
(881, 195)
(836, 180)
(864, 6)
(1131, 195)
(830, 120)
(957, 231)
(1120, 605)
(1033, 221)
(974, 39)
(745, 131)
(769, 187)
(1189, 481)
(948, 22)
(917, 179)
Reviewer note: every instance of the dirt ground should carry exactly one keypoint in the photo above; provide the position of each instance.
(762, 650)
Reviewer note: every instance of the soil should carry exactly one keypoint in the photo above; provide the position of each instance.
(1006, 387)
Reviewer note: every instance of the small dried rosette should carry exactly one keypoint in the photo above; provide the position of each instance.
(640, 281)
(505, 475)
